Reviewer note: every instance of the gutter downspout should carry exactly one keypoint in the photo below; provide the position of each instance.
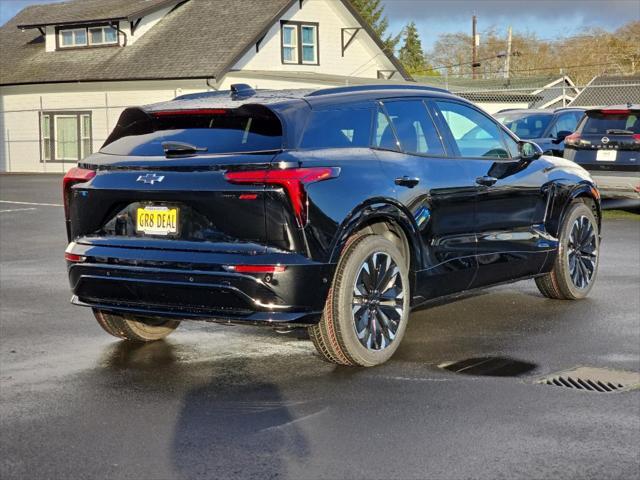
(212, 87)
(117, 28)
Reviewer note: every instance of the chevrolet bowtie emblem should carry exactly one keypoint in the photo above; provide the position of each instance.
(150, 178)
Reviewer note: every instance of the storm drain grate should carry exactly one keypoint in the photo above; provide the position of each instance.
(599, 380)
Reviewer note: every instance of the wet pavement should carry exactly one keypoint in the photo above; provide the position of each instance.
(238, 402)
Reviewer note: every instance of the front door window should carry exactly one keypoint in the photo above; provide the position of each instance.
(474, 134)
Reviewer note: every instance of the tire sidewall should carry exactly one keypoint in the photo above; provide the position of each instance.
(351, 265)
(562, 262)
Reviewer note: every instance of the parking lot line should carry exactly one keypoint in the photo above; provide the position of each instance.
(17, 210)
(32, 203)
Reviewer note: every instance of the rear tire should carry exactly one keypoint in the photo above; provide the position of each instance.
(576, 266)
(133, 329)
(366, 314)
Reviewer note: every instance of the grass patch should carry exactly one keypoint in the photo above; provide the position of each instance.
(620, 214)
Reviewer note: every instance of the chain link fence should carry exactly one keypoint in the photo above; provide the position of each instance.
(494, 96)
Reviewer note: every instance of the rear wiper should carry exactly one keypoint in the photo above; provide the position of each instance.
(619, 131)
(177, 149)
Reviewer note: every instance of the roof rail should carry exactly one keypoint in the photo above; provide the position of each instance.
(365, 88)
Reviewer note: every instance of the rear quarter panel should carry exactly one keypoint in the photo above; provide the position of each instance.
(333, 202)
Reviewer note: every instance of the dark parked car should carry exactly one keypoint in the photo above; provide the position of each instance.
(337, 210)
(547, 128)
(607, 144)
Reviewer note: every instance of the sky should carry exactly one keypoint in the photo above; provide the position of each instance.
(548, 18)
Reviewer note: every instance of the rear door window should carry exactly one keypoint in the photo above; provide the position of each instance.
(415, 129)
(475, 134)
(384, 136)
(339, 128)
(526, 126)
(566, 122)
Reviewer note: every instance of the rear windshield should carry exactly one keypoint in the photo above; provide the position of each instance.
(251, 128)
(526, 125)
(606, 123)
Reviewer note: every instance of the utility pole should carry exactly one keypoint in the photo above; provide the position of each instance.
(507, 59)
(474, 52)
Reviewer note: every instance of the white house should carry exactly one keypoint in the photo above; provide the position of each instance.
(69, 69)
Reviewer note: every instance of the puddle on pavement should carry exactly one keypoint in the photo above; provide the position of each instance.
(490, 367)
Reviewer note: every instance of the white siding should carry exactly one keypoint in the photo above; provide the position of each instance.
(50, 39)
(20, 107)
(363, 58)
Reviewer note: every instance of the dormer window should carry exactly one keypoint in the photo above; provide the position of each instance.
(103, 36)
(89, 36)
(73, 38)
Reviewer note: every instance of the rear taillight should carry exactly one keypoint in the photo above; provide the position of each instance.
(73, 176)
(293, 180)
(193, 111)
(73, 258)
(572, 140)
(636, 138)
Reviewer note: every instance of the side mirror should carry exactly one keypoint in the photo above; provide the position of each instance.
(529, 151)
(562, 134)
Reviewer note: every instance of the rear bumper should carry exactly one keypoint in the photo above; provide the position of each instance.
(618, 184)
(194, 284)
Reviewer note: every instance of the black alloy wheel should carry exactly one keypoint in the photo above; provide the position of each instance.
(378, 301)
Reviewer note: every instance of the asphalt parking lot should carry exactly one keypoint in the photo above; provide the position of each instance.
(238, 402)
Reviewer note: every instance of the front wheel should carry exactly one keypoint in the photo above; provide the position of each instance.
(134, 329)
(367, 309)
(576, 266)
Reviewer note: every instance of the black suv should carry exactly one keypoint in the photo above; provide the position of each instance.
(547, 128)
(607, 143)
(337, 210)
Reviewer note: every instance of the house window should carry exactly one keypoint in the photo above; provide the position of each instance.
(66, 136)
(289, 44)
(309, 44)
(90, 36)
(103, 35)
(45, 129)
(73, 38)
(300, 43)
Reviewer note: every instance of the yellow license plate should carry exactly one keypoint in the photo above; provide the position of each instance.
(157, 220)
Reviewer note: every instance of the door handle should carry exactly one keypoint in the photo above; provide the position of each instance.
(407, 181)
(486, 180)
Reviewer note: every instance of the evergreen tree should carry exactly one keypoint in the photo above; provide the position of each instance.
(373, 13)
(411, 53)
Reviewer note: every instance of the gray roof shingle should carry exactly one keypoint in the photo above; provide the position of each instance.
(198, 39)
(88, 10)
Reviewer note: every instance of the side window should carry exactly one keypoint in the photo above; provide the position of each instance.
(475, 134)
(340, 128)
(512, 146)
(415, 129)
(383, 135)
(566, 122)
